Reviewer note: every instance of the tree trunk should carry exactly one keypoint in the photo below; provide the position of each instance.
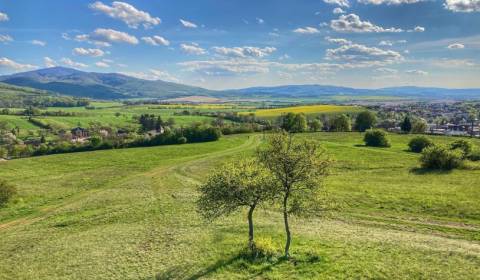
(287, 227)
(251, 244)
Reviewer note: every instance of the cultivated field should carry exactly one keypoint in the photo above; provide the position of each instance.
(130, 214)
(308, 110)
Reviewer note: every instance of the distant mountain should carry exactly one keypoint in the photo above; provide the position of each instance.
(100, 85)
(318, 91)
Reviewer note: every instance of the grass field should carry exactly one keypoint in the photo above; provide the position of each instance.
(308, 110)
(130, 214)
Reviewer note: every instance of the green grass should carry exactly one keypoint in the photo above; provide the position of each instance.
(130, 214)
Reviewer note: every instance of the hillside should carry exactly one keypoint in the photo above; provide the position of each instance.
(99, 85)
(130, 214)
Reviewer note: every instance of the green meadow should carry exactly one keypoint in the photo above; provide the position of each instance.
(130, 214)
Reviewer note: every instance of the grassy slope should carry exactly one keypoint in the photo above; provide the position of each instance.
(129, 214)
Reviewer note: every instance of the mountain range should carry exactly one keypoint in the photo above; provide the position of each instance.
(77, 83)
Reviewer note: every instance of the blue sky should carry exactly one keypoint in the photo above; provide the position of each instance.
(222, 44)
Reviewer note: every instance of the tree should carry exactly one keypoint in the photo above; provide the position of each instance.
(365, 120)
(292, 122)
(464, 146)
(315, 125)
(406, 125)
(298, 168)
(439, 157)
(233, 186)
(376, 138)
(6, 192)
(340, 123)
(418, 144)
(419, 126)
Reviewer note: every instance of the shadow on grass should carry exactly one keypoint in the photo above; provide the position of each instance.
(425, 171)
(241, 262)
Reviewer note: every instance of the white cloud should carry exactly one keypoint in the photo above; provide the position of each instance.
(306, 30)
(456, 46)
(5, 38)
(8, 63)
(71, 63)
(453, 63)
(126, 13)
(341, 3)
(38, 43)
(389, 2)
(110, 36)
(338, 10)
(361, 54)
(4, 17)
(340, 41)
(385, 43)
(260, 20)
(244, 51)
(417, 29)
(464, 6)
(188, 24)
(88, 52)
(156, 41)
(102, 64)
(385, 70)
(49, 62)
(226, 67)
(417, 72)
(352, 23)
(153, 75)
(192, 49)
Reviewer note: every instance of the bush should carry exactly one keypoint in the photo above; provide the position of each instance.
(464, 146)
(418, 144)
(182, 140)
(439, 157)
(474, 156)
(376, 138)
(6, 192)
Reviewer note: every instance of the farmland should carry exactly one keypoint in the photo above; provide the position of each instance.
(313, 110)
(130, 214)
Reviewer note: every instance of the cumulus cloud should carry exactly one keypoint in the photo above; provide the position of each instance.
(361, 54)
(417, 29)
(10, 64)
(108, 36)
(156, 41)
(389, 2)
(463, 6)
(339, 41)
(188, 24)
(102, 64)
(192, 49)
(48, 62)
(385, 43)
(226, 67)
(153, 75)
(353, 23)
(306, 30)
(88, 52)
(38, 43)
(260, 20)
(338, 11)
(4, 17)
(126, 13)
(417, 72)
(71, 63)
(456, 46)
(341, 3)
(244, 51)
(388, 71)
(5, 38)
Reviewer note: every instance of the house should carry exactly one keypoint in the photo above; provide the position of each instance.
(79, 133)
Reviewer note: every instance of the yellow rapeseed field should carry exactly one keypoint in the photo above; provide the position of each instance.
(309, 110)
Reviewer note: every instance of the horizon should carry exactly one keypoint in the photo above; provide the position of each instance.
(361, 44)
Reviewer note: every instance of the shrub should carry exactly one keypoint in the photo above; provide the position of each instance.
(474, 156)
(6, 192)
(376, 138)
(182, 140)
(464, 146)
(439, 157)
(418, 144)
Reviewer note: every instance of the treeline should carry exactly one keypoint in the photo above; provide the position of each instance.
(34, 111)
(22, 101)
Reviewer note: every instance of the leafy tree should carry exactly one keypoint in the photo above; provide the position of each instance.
(233, 186)
(365, 120)
(298, 168)
(376, 138)
(419, 126)
(439, 157)
(464, 146)
(6, 192)
(406, 125)
(340, 123)
(292, 122)
(418, 144)
(315, 125)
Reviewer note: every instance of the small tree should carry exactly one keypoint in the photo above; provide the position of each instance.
(298, 168)
(464, 146)
(406, 125)
(6, 192)
(439, 157)
(315, 125)
(365, 120)
(376, 138)
(292, 122)
(233, 186)
(419, 126)
(418, 144)
(340, 123)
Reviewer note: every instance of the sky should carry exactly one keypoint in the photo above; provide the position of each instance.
(224, 44)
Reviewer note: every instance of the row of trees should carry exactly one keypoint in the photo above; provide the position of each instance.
(287, 173)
